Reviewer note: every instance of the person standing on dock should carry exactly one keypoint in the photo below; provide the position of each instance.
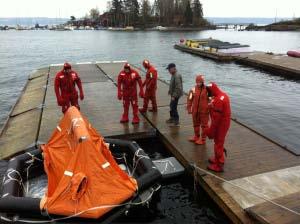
(175, 91)
(197, 105)
(127, 90)
(65, 90)
(220, 114)
(151, 85)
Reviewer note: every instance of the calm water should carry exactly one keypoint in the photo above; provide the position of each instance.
(267, 103)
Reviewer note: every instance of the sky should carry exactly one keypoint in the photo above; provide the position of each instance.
(212, 8)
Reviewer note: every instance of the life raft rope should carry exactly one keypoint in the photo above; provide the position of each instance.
(256, 194)
(136, 159)
(153, 190)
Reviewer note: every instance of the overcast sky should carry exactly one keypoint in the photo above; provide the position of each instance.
(212, 8)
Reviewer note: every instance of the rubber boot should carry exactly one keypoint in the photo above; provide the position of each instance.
(154, 104)
(145, 105)
(200, 142)
(194, 138)
(135, 120)
(153, 109)
(142, 110)
(213, 160)
(216, 167)
(196, 134)
(135, 109)
(219, 151)
(124, 119)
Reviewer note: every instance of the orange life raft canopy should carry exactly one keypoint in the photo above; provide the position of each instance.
(82, 172)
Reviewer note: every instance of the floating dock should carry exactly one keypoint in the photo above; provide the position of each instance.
(259, 173)
(277, 64)
(221, 57)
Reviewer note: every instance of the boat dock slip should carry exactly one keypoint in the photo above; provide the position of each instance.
(205, 54)
(254, 164)
(277, 64)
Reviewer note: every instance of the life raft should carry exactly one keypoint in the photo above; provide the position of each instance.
(87, 176)
(29, 165)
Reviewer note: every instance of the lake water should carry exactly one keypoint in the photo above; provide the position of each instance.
(270, 104)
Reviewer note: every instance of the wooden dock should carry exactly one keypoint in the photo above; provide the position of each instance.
(277, 64)
(221, 57)
(254, 163)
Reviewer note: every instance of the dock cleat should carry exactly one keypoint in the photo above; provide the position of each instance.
(216, 168)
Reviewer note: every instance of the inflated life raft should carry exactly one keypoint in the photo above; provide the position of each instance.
(85, 176)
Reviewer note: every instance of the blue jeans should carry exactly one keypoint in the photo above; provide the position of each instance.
(173, 109)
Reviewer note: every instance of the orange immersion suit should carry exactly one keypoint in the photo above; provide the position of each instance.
(65, 90)
(220, 113)
(127, 90)
(197, 105)
(151, 86)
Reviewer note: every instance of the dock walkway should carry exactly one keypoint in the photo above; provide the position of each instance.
(277, 64)
(254, 162)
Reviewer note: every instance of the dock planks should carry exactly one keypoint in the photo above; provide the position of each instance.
(277, 64)
(269, 213)
(100, 106)
(250, 155)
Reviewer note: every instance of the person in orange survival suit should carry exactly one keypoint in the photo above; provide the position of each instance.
(197, 105)
(127, 90)
(65, 90)
(220, 114)
(151, 86)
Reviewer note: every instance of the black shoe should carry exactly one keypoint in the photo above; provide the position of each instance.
(170, 121)
(175, 124)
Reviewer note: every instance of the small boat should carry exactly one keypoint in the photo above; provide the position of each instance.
(294, 53)
(83, 176)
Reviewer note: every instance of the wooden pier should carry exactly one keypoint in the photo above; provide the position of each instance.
(221, 57)
(277, 64)
(254, 163)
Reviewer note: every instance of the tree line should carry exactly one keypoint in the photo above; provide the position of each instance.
(142, 13)
(161, 12)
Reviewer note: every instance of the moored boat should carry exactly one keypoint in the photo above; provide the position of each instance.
(294, 53)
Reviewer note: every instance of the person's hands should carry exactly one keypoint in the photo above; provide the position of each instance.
(172, 98)
(81, 96)
(60, 101)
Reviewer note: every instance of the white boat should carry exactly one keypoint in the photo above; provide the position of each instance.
(161, 28)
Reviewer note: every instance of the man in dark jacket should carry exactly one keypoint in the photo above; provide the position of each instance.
(175, 91)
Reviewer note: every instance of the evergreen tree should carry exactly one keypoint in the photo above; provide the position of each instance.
(197, 12)
(188, 14)
(117, 12)
(131, 10)
(146, 11)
